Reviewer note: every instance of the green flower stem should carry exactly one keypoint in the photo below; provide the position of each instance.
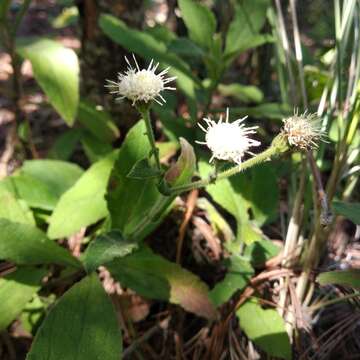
(145, 113)
(278, 146)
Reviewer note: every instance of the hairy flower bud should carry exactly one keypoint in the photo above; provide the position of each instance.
(141, 85)
(303, 131)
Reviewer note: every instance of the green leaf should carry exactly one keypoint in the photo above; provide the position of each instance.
(96, 120)
(4, 7)
(349, 210)
(25, 244)
(184, 168)
(82, 325)
(143, 170)
(16, 290)
(41, 182)
(243, 33)
(67, 17)
(238, 275)
(150, 48)
(261, 251)
(200, 22)
(84, 203)
(94, 148)
(227, 194)
(266, 328)
(56, 69)
(342, 277)
(243, 93)
(137, 206)
(266, 110)
(14, 209)
(154, 277)
(65, 145)
(185, 47)
(105, 248)
(264, 195)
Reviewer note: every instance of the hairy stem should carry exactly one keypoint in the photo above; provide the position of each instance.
(276, 148)
(145, 113)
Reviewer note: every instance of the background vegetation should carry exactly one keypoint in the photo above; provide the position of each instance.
(99, 264)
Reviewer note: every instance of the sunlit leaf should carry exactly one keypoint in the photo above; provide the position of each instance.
(25, 244)
(200, 22)
(56, 69)
(84, 203)
(266, 328)
(41, 182)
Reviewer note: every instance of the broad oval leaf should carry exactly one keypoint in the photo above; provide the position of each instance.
(82, 325)
(266, 328)
(25, 244)
(56, 69)
(200, 22)
(16, 290)
(41, 182)
(152, 276)
(84, 203)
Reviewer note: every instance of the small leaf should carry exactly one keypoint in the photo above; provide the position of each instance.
(82, 325)
(84, 203)
(105, 248)
(154, 277)
(266, 328)
(349, 210)
(238, 275)
(341, 277)
(200, 22)
(41, 182)
(243, 32)
(56, 69)
(183, 170)
(25, 244)
(16, 290)
(143, 170)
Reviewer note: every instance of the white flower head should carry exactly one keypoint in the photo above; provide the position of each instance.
(228, 141)
(303, 131)
(141, 85)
